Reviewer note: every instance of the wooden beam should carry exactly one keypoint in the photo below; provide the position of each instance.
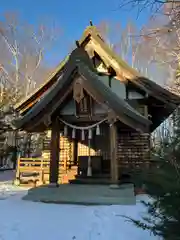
(54, 159)
(113, 150)
(84, 119)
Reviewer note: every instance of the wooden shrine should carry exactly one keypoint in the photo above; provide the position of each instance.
(102, 107)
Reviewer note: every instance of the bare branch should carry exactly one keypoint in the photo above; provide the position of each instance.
(24, 47)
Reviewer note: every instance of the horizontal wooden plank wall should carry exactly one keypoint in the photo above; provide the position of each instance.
(133, 151)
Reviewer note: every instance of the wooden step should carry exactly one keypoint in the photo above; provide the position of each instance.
(94, 176)
(103, 181)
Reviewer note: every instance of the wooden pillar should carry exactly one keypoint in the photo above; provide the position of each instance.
(75, 151)
(113, 149)
(54, 159)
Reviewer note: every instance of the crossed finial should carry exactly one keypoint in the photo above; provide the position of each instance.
(77, 44)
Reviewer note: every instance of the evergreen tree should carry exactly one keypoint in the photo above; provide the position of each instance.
(163, 185)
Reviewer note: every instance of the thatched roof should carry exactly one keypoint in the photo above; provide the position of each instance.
(122, 69)
(80, 62)
(167, 101)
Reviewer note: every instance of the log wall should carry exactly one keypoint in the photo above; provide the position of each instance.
(133, 150)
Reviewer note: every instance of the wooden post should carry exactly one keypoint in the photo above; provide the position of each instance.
(113, 148)
(17, 179)
(54, 158)
(75, 151)
(41, 178)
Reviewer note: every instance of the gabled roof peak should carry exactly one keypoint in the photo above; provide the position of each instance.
(123, 71)
(92, 30)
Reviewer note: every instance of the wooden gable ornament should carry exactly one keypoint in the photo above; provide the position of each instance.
(78, 90)
(112, 117)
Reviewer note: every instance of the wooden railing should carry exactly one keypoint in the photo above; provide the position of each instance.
(32, 166)
(36, 170)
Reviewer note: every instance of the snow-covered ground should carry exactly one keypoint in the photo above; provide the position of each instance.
(23, 220)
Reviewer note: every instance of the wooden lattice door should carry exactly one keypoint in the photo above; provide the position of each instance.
(65, 153)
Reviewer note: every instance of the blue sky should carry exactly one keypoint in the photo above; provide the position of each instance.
(72, 17)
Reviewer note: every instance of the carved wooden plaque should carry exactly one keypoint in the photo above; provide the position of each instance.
(78, 93)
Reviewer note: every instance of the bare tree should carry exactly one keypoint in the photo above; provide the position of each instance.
(131, 45)
(22, 66)
(169, 7)
(23, 49)
(120, 40)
